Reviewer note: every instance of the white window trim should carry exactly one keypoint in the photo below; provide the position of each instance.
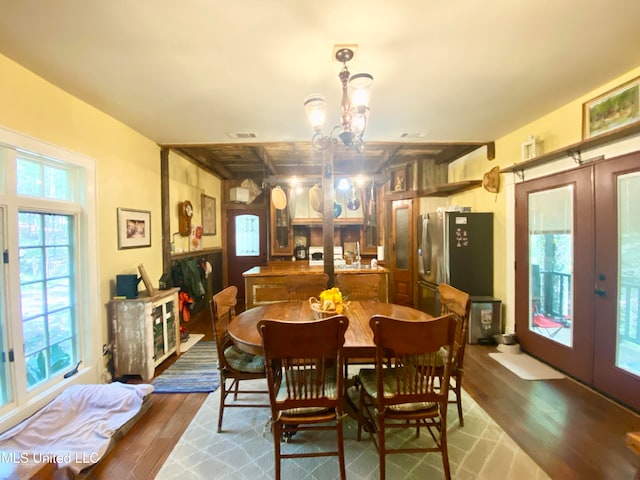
(89, 305)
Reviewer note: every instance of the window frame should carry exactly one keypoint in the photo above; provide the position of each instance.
(83, 207)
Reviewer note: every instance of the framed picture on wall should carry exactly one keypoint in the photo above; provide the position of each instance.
(613, 109)
(208, 215)
(134, 228)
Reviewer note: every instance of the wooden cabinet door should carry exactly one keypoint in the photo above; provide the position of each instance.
(402, 252)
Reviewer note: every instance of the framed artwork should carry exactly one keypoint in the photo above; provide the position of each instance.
(208, 215)
(613, 109)
(134, 228)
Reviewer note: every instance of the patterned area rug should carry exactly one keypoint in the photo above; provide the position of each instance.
(244, 450)
(195, 371)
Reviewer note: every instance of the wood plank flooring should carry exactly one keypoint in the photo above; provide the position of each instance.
(569, 430)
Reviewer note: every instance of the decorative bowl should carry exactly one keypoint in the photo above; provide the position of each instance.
(318, 312)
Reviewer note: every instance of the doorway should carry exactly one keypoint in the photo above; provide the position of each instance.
(246, 246)
(578, 273)
(402, 247)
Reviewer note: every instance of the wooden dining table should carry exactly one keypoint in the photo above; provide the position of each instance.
(358, 337)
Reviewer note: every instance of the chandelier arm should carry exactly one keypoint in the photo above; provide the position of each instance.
(353, 120)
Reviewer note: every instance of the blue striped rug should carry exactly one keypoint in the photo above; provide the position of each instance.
(195, 371)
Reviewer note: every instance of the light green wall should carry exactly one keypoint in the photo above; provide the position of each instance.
(127, 166)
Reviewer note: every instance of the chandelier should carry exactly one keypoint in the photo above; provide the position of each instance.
(356, 91)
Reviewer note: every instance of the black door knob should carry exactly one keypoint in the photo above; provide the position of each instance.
(600, 292)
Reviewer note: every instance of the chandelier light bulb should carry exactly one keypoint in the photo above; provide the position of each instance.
(315, 107)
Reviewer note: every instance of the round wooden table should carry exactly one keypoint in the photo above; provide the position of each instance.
(358, 338)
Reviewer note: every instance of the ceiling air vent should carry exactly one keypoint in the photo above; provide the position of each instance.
(413, 135)
(241, 135)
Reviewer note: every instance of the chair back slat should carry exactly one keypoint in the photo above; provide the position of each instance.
(458, 303)
(413, 348)
(301, 287)
(222, 307)
(307, 357)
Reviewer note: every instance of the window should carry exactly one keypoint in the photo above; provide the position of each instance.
(50, 293)
(45, 243)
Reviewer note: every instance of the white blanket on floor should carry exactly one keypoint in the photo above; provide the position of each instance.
(77, 426)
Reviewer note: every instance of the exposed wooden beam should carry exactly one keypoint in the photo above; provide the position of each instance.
(387, 157)
(327, 213)
(491, 150)
(262, 154)
(207, 163)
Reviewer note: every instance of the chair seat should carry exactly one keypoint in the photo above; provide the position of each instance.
(367, 378)
(242, 361)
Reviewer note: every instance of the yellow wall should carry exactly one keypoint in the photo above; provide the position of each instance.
(127, 170)
(188, 182)
(558, 129)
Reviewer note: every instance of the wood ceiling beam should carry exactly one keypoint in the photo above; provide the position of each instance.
(206, 162)
(386, 158)
(264, 157)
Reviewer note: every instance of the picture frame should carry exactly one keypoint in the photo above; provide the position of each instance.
(208, 215)
(134, 228)
(146, 280)
(611, 110)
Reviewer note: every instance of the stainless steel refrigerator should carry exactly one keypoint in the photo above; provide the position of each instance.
(454, 248)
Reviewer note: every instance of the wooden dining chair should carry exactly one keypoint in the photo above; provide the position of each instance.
(301, 287)
(361, 286)
(304, 365)
(233, 364)
(408, 388)
(458, 303)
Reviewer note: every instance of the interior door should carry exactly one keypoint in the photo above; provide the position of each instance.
(617, 283)
(402, 256)
(578, 273)
(247, 246)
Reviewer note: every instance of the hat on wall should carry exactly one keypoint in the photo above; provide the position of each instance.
(278, 198)
(491, 180)
(315, 198)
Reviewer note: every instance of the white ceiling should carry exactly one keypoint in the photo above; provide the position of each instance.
(190, 71)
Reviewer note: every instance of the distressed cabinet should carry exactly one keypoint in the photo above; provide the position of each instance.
(145, 331)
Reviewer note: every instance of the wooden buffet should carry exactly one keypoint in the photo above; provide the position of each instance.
(266, 284)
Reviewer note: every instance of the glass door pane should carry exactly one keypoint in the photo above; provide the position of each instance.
(628, 315)
(247, 232)
(551, 264)
(6, 395)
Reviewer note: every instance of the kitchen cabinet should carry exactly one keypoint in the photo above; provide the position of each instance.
(145, 331)
(281, 230)
(303, 214)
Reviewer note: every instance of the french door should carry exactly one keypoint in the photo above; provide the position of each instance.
(578, 273)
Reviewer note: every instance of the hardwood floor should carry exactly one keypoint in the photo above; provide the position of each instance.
(569, 430)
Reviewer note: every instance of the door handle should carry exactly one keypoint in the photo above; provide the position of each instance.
(600, 292)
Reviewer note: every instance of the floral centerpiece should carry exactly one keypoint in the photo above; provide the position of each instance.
(330, 303)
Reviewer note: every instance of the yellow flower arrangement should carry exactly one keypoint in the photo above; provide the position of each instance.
(331, 300)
